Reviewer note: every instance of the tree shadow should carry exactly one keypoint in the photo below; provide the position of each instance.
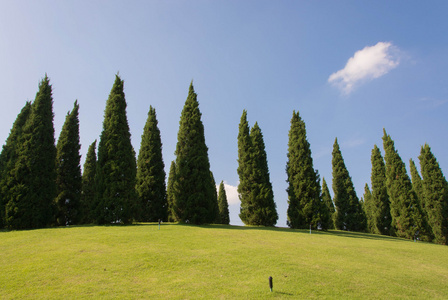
(341, 233)
(363, 235)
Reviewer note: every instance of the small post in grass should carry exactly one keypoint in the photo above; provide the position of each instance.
(310, 228)
(270, 283)
(159, 223)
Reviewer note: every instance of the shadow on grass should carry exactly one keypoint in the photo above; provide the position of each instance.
(341, 233)
(348, 234)
(369, 236)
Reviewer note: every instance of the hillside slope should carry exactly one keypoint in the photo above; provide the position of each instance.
(216, 262)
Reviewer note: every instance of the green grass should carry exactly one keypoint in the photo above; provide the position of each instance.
(216, 262)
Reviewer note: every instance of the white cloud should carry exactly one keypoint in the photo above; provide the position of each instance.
(231, 193)
(367, 64)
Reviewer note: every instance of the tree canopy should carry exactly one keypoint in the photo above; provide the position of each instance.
(194, 192)
(68, 170)
(116, 165)
(150, 186)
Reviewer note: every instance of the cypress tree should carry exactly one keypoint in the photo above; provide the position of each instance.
(33, 190)
(194, 192)
(417, 187)
(87, 205)
(304, 200)
(8, 158)
(151, 188)
(417, 184)
(349, 214)
(369, 210)
(264, 209)
(170, 192)
(214, 199)
(116, 166)
(68, 170)
(244, 168)
(223, 205)
(435, 188)
(326, 198)
(255, 189)
(325, 213)
(407, 217)
(380, 198)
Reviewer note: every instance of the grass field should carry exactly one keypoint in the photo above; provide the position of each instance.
(216, 262)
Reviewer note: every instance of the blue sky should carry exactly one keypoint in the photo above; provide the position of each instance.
(351, 68)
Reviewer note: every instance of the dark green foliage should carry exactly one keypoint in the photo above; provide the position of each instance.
(435, 188)
(244, 166)
(326, 199)
(417, 184)
(369, 209)
(257, 198)
(380, 198)
(349, 214)
(170, 192)
(223, 205)
(31, 194)
(325, 213)
(68, 170)
(305, 206)
(87, 205)
(193, 188)
(8, 158)
(116, 166)
(407, 217)
(150, 187)
(262, 194)
(215, 205)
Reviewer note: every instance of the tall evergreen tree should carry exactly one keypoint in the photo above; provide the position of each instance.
(326, 198)
(349, 214)
(151, 188)
(30, 204)
(264, 210)
(223, 205)
(435, 188)
(380, 198)
(170, 192)
(8, 158)
(214, 201)
(369, 210)
(255, 189)
(194, 192)
(87, 205)
(325, 213)
(68, 170)
(304, 200)
(244, 168)
(116, 166)
(407, 217)
(417, 184)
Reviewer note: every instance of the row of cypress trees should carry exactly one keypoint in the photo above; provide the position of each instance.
(41, 184)
(404, 206)
(396, 205)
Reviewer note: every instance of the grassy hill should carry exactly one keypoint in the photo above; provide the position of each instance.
(216, 262)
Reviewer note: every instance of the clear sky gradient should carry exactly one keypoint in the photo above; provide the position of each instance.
(351, 68)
